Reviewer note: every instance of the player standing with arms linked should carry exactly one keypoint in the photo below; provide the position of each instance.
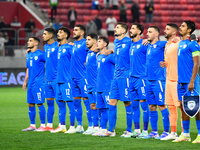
(78, 75)
(36, 78)
(155, 84)
(91, 76)
(63, 87)
(188, 77)
(138, 80)
(120, 84)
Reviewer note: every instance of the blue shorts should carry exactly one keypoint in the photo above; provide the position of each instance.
(120, 89)
(64, 92)
(155, 92)
(50, 89)
(92, 96)
(79, 87)
(137, 89)
(183, 88)
(35, 95)
(103, 99)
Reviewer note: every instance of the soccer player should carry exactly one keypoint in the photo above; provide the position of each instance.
(51, 51)
(171, 63)
(138, 80)
(35, 78)
(155, 83)
(78, 75)
(91, 76)
(105, 73)
(188, 77)
(63, 87)
(120, 84)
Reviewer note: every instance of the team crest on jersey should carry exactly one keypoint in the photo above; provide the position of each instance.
(52, 49)
(103, 59)
(184, 46)
(191, 105)
(138, 46)
(154, 46)
(123, 45)
(36, 58)
(171, 44)
(64, 50)
(92, 54)
(79, 46)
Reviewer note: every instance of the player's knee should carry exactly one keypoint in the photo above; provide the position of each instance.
(31, 105)
(153, 107)
(50, 98)
(113, 102)
(127, 103)
(162, 107)
(93, 106)
(85, 98)
(39, 105)
(77, 97)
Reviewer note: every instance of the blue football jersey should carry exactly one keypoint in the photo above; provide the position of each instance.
(122, 59)
(36, 68)
(64, 62)
(78, 58)
(105, 72)
(51, 52)
(185, 60)
(155, 54)
(91, 68)
(138, 59)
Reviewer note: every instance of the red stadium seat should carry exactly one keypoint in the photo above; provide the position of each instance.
(170, 7)
(129, 13)
(111, 38)
(157, 7)
(185, 14)
(87, 18)
(183, 1)
(163, 2)
(95, 12)
(104, 26)
(164, 13)
(190, 7)
(163, 7)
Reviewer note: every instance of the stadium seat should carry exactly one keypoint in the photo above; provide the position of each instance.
(111, 38)
(170, 7)
(155, 2)
(116, 12)
(164, 13)
(163, 7)
(163, 2)
(87, 18)
(95, 12)
(183, 2)
(157, 7)
(185, 14)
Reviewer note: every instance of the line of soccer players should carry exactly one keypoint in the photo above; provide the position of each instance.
(134, 72)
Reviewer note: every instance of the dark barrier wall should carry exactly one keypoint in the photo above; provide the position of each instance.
(12, 77)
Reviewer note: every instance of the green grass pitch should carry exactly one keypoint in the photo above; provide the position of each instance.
(14, 118)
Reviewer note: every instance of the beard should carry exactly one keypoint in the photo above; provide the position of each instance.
(46, 40)
(59, 40)
(30, 47)
(89, 47)
(133, 36)
(77, 37)
(168, 36)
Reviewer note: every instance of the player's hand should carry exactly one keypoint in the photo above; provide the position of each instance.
(28, 50)
(108, 52)
(145, 42)
(95, 50)
(162, 64)
(191, 86)
(24, 86)
(176, 39)
(70, 43)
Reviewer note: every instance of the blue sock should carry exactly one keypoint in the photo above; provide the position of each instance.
(112, 117)
(88, 109)
(136, 113)
(78, 111)
(99, 116)
(42, 113)
(62, 112)
(50, 111)
(104, 117)
(129, 118)
(95, 118)
(32, 114)
(186, 126)
(165, 116)
(154, 120)
(115, 119)
(198, 126)
(70, 104)
(145, 108)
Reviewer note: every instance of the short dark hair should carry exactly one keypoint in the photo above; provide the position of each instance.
(82, 27)
(139, 26)
(36, 39)
(51, 31)
(156, 28)
(66, 30)
(173, 25)
(93, 36)
(123, 25)
(190, 25)
(105, 39)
